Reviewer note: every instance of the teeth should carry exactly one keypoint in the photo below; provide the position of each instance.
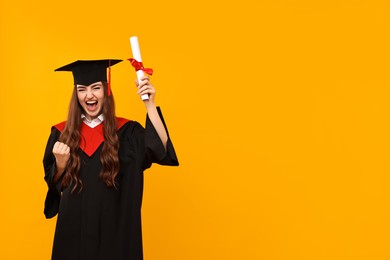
(91, 102)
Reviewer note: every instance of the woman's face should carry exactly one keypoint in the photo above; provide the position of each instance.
(91, 99)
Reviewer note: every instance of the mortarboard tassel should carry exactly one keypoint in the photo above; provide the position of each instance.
(109, 78)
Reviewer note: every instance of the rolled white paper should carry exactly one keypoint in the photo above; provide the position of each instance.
(137, 56)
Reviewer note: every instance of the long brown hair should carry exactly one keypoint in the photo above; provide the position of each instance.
(71, 136)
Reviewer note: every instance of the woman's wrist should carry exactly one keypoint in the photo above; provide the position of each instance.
(150, 105)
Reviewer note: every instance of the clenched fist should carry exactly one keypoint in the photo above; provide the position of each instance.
(62, 153)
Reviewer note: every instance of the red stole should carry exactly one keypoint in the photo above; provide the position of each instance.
(92, 138)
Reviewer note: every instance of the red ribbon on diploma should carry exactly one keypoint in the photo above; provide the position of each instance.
(139, 66)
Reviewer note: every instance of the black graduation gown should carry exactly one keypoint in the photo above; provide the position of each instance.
(102, 223)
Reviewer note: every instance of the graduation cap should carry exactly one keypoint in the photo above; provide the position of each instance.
(86, 72)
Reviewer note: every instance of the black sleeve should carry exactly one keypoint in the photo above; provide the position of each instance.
(154, 148)
(53, 195)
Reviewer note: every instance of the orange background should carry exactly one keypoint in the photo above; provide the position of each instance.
(278, 110)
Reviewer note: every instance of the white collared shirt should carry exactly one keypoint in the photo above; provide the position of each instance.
(94, 122)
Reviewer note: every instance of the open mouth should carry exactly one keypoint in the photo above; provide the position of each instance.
(91, 105)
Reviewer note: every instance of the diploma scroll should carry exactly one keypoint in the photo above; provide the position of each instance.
(137, 56)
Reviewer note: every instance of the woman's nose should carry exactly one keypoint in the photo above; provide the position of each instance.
(88, 94)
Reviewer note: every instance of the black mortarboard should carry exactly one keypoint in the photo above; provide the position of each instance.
(86, 72)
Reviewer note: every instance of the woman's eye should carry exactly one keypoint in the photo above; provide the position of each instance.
(96, 88)
(81, 90)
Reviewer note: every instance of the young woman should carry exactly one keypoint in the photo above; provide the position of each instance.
(94, 163)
